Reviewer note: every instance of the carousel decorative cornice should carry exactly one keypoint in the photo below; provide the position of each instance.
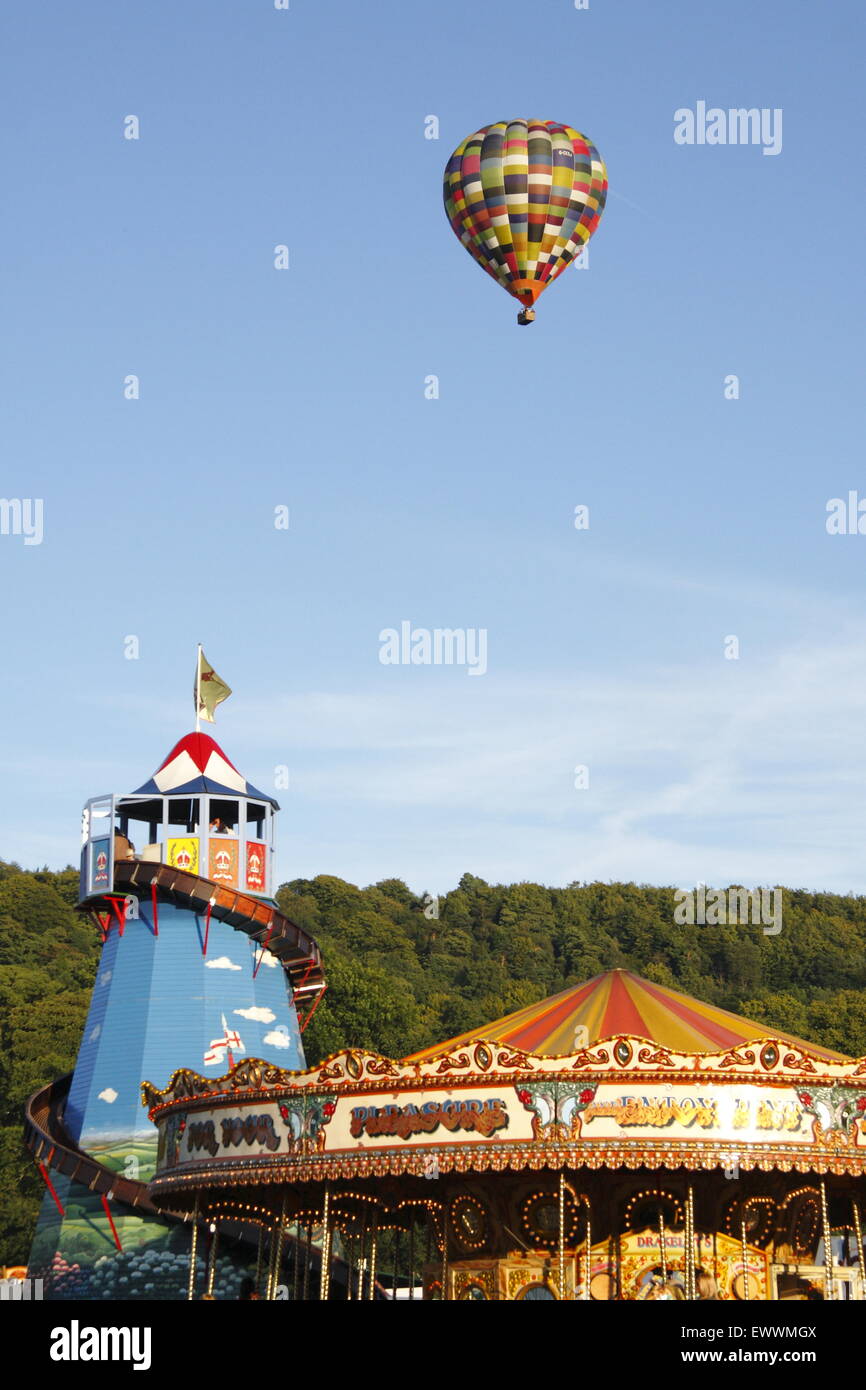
(768, 1060)
(515, 1158)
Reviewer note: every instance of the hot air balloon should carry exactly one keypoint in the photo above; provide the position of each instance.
(524, 197)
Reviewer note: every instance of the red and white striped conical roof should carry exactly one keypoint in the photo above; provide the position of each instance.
(198, 764)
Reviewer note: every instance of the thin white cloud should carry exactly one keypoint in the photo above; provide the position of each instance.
(727, 771)
(257, 1014)
(278, 1037)
(109, 1095)
(724, 771)
(222, 963)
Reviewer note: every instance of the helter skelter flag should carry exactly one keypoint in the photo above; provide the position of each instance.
(210, 689)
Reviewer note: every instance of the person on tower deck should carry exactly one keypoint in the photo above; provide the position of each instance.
(123, 847)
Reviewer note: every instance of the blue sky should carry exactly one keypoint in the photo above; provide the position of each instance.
(305, 388)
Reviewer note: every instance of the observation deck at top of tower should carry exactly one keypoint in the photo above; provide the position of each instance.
(205, 838)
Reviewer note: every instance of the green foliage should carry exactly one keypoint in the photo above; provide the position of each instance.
(399, 980)
(48, 959)
(20, 1194)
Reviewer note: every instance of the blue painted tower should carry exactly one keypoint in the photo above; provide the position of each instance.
(199, 970)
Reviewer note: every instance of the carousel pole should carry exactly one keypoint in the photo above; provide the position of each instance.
(324, 1283)
(278, 1253)
(396, 1259)
(272, 1251)
(561, 1242)
(428, 1250)
(325, 1273)
(211, 1269)
(662, 1250)
(858, 1236)
(830, 1293)
(259, 1254)
(350, 1261)
(296, 1267)
(690, 1242)
(444, 1256)
(193, 1249)
(359, 1292)
(269, 1280)
(586, 1293)
(308, 1256)
(744, 1254)
(412, 1254)
(374, 1249)
(701, 1256)
(686, 1242)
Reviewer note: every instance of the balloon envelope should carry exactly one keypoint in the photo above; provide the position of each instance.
(524, 197)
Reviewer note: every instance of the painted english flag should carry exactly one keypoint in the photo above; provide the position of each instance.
(229, 1043)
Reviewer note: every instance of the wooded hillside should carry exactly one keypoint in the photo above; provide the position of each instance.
(400, 980)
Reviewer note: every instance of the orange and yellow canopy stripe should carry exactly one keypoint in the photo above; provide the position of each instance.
(621, 1002)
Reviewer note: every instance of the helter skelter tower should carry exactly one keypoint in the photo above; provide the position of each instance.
(198, 969)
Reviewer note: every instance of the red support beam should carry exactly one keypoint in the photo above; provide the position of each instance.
(206, 926)
(105, 1208)
(154, 906)
(270, 933)
(296, 989)
(120, 913)
(315, 1006)
(50, 1185)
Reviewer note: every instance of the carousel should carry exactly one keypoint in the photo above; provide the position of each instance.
(618, 1141)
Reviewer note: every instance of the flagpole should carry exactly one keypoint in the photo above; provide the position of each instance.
(198, 689)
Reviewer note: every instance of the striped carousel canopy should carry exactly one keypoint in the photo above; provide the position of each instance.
(621, 1002)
